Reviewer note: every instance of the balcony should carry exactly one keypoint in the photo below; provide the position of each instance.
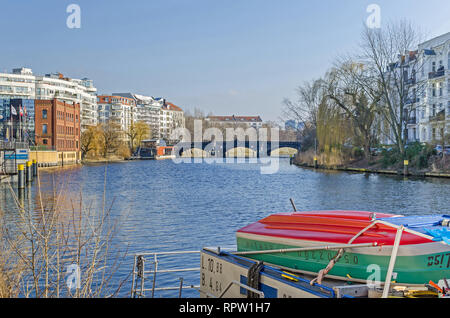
(436, 74)
(412, 121)
(438, 117)
(410, 81)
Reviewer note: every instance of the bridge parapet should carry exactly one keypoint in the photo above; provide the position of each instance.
(220, 149)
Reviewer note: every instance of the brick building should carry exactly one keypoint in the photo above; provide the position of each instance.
(57, 126)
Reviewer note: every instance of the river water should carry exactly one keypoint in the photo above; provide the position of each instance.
(167, 206)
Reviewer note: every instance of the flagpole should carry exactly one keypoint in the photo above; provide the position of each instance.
(20, 123)
(10, 123)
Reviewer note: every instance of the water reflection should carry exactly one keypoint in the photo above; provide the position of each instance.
(163, 206)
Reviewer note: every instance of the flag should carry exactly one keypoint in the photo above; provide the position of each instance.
(20, 111)
(13, 111)
(25, 110)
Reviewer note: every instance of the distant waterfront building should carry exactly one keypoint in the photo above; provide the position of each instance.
(147, 110)
(293, 125)
(116, 109)
(48, 124)
(430, 120)
(249, 121)
(22, 84)
(426, 76)
(171, 117)
(17, 119)
(58, 125)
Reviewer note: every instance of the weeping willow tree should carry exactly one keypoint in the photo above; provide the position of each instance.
(333, 133)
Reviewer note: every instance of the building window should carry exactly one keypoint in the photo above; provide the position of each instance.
(44, 129)
(44, 114)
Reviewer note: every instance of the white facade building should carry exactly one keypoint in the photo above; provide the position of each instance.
(170, 118)
(147, 110)
(21, 83)
(118, 109)
(430, 91)
(248, 121)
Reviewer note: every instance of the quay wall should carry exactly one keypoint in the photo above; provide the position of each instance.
(55, 158)
(434, 174)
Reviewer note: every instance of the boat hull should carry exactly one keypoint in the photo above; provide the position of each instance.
(418, 260)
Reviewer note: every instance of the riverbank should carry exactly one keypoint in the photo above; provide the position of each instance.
(362, 167)
(380, 171)
(103, 160)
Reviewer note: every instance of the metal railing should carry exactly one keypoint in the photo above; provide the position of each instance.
(12, 145)
(140, 274)
(138, 288)
(437, 73)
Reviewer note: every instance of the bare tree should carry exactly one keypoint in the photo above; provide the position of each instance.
(389, 55)
(304, 110)
(62, 245)
(349, 87)
(109, 138)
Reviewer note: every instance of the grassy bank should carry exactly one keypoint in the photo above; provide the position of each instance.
(422, 161)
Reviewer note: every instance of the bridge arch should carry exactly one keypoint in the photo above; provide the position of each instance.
(241, 152)
(194, 153)
(283, 152)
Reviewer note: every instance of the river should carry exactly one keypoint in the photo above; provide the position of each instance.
(165, 206)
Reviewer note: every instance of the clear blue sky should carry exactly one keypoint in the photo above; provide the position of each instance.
(228, 57)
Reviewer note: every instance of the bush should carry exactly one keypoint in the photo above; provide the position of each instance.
(390, 157)
(416, 153)
(423, 156)
(357, 152)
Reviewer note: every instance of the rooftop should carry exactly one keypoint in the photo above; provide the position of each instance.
(170, 106)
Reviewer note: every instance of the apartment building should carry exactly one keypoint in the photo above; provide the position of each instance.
(429, 100)
(170, 117)
(20, 84)
(248, 121)
(117, 109)
(23, 84)
(147, 110)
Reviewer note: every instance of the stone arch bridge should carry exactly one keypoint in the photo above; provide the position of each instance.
(236, 148)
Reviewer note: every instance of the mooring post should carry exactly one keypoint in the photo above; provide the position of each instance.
(20, 176)
(315, 162)
(29, 172)
(35, 168)
(405, 167)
